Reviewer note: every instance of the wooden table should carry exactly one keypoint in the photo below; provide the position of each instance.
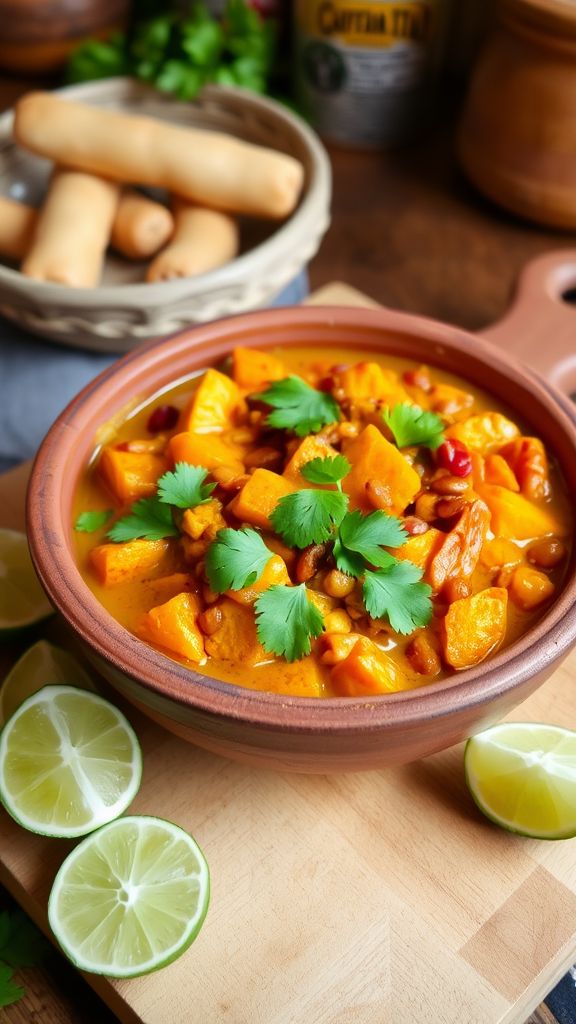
(408, 231)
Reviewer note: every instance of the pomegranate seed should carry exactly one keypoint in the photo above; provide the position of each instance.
(325, 384)
(455, 457)
(164, 417)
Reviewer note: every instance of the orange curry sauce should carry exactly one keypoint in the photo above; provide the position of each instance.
(486, 515)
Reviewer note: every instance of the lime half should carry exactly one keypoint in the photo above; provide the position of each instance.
(41, 665)
(69, 762)
(22, 600)
(130, 898)
(522, 775)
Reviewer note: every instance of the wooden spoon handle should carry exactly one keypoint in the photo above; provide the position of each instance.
(540, 326)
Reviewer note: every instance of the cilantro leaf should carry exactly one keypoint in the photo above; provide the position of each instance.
(309, 516)
(366, 535)
(10, 992)
(236, 559)
(396, 593)
(21, 942)
(185, 487)
(88, 522)
(326, 471)
(286, 620)
(412, 425)
(298, 407)
(149, 519)
(347, 561)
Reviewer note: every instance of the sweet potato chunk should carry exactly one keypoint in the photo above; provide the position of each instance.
(513, 516)
(120, 563)
(373, 458)
(202, 519)
(275, 572)
(499, 472)
(420, 548)
(530, 588)
(473, 627)
(216, 405)
(369, 380)
(203, 450)
(131, 475)
(485, 432)
(235, 639)
(498, 552)
(253, 370)
(256, 501)
(298, 678)
(335, 647)
(173, 626)
(367, 671)
(312, 447)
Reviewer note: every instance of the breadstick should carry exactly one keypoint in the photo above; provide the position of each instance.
(17, 224)
(72, 230)
(202, 240)
(210, 168)
(141, 226)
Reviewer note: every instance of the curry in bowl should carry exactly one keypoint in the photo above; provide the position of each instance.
(312, 524)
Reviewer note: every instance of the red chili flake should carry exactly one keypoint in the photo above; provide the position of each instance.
(454, 456)
(164, 417)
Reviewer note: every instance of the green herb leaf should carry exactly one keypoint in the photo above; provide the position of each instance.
(309, 516)
(149, 519)
(348, 561)
(396, 594)
(287, 620)
(367, 535)
(412, 425)
(326, 471)
(236, 559)
(10, 992)
(185, 487)
(88, 522)
(298, 407)
(21, 943)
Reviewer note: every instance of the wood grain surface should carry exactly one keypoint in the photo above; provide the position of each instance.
(380, 896)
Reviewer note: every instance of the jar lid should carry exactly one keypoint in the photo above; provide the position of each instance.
(550, 15)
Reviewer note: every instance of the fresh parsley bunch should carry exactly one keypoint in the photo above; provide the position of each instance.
(181, 52)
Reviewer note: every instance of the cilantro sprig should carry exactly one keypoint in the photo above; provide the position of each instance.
(396, 593)
(411, 425)
(185, 487)
(297, 406)
(236, 559)
(92, 520)
(21, 945)
(308, 517)
(287, 621)
(152, 518)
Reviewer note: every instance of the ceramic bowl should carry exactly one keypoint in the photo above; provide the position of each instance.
(124, 311)
(311, 735)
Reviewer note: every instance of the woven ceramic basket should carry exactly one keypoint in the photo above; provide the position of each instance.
(123, 312)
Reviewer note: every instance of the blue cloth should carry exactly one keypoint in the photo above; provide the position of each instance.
(38, 379)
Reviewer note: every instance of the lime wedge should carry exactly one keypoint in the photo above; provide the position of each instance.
(69, 762)
(41, 665)
(22, 600)
(130, 898)
(522, 775)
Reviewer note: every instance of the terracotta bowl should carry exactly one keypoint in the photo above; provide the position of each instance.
(309, 735)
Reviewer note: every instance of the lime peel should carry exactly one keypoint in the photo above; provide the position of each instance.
(23, 602)
(69, 762)
(130, 898)
(40, 665)
(522, 776)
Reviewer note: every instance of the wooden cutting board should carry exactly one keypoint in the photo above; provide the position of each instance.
(352, 899)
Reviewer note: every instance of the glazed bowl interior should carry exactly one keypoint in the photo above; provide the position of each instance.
(470, 697)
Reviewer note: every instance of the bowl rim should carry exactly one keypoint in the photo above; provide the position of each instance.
(170, 679)
(237, 271)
